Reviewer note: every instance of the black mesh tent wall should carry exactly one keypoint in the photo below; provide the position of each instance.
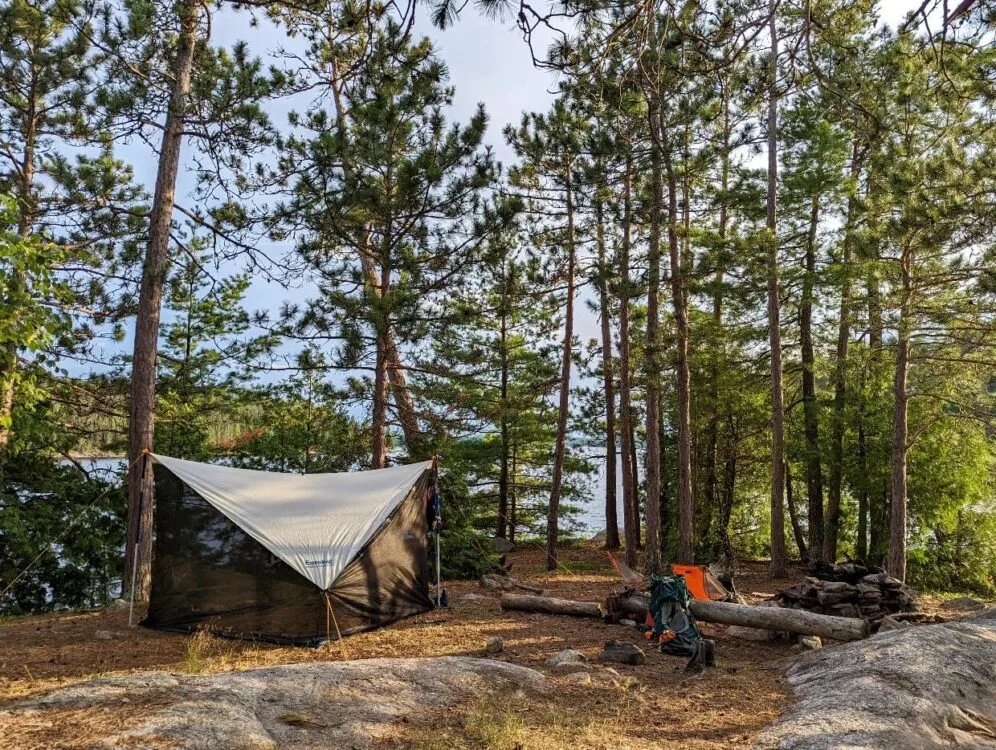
(209, 573)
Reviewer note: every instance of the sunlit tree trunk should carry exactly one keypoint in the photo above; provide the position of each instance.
(778, 565)
(652, 559)
(810, 413)
(146, 345)
(560, 449)
(608, 383)
(896, 559)
(832, 521)
(631, 528)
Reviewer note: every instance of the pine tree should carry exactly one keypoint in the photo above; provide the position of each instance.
(212, 98)
(548, 147)
(400, 224)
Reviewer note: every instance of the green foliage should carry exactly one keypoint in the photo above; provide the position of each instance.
(958, 555)
(71, 522)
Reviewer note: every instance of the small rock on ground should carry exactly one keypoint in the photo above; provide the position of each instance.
(891, 623)
(569, 667)
(565, 656)
(578, 678)
(628, 623)
(474, 598)
(104, 635)
(620, 652)
(494, 645)
(807, 643)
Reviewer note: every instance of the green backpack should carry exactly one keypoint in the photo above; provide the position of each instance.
(673, 627)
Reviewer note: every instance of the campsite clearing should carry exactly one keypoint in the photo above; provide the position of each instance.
(653, 703)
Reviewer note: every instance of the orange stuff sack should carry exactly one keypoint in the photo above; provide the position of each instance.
(701, 583)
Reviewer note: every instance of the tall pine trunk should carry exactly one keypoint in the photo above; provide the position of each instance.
(800, 538)
(631, 522)
(146, 347)
(712, 429)
(725, 544)
(679, 299)
(778, 566)
(652, 559)
(553, 512)
(896, 559)
(608, 384)
(403, 401)
(378, 459)
(810, 413)
(503, 469)
(878, 498)
(831, 528)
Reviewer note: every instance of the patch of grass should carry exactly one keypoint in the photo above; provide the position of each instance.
(194, 661)
(497, 727)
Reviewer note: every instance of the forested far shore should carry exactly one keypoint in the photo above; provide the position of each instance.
(743, 265)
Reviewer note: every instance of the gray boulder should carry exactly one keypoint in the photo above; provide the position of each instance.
(296, 706)
(914, 688)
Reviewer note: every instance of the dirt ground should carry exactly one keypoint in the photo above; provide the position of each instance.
(654, 704)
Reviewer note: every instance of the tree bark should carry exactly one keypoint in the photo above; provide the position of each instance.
(726, 553)
(896, 559)
(549, 605)
(878, 498)
(712, 430)
(831, 530)
(778, 566)
(608, 384)
(810, 413)
(378, 459)
(503, 458)
(407, 415)
(861, 546)
(679, 300)
(631, 515)
(146, 346)
(565, 381)
(800, 538)
(652, 558)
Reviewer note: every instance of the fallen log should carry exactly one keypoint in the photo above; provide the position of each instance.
(549, 605)
(765, 618)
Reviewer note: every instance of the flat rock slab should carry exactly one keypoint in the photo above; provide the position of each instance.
(299, 706)
(931, 686)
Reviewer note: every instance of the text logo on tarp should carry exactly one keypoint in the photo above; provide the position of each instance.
(317, 563)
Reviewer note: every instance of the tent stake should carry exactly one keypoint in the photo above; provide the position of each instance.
(138, 539)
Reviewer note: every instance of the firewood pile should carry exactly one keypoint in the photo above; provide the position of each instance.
(854, 590)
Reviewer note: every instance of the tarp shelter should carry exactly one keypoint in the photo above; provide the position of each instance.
(290, 558)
